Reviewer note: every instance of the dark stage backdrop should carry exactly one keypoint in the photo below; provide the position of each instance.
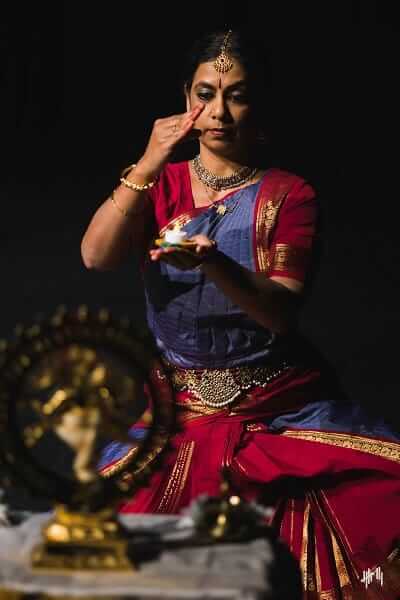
(81, 84)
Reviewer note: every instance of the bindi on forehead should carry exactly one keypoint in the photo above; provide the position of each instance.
(207, 73)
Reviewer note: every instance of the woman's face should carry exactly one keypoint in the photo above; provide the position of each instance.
(225, 120)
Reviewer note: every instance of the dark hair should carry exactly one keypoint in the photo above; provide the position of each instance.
(242, 47)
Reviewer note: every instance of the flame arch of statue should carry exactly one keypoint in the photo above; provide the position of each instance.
(77, 372)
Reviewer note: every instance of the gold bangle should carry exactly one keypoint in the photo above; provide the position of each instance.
(123, 211)
(137, 187)
(127, 170)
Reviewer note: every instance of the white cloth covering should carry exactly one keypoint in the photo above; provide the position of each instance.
(225, 571)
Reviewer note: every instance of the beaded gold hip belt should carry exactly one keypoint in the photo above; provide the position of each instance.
(218, 388)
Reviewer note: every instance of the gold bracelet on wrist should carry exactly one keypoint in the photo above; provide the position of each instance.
(126, 212)
(127, 169)
(123, 211)
(137, 187)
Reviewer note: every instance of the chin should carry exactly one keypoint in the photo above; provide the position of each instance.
(226, 144)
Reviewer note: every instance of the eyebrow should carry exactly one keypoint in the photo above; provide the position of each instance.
(207, 84)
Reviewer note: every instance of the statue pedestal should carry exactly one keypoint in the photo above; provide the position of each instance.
(78, 541)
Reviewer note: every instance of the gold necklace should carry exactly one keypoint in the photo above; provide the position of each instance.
(221, 209)
(218, 183)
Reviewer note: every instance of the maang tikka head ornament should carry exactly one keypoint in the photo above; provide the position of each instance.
(223, 63)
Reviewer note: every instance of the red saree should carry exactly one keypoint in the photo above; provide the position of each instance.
(335, 485)
(336, 495)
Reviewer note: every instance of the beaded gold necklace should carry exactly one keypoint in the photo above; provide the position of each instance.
(218, 183)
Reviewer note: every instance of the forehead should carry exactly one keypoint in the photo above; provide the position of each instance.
(206, 73)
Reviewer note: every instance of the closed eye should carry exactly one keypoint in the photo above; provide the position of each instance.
(205, 96)
(240, 98)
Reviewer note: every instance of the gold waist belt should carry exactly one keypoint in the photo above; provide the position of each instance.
(217, 388)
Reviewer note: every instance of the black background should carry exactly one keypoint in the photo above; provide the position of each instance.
(81, 84)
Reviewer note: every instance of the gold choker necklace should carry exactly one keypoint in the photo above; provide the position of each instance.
(217, 183)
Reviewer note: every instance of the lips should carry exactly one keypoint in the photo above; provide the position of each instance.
(220, 131)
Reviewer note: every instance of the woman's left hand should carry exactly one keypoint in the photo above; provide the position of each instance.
(184, 258)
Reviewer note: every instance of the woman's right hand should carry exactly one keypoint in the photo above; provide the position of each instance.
(166, 135)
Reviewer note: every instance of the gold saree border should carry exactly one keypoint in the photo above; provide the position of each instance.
(267, 213)
(335, 531)
(318, 580)
(119, 464)
(312, 584)
(341, 568)
(285, 257)
(349, 585)
(177, 479)
(337, 523)
(382, 449)
(304, 561)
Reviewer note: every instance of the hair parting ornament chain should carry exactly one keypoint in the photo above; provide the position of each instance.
(224, 63)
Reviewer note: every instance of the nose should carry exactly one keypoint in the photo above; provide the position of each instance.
(219, 109)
